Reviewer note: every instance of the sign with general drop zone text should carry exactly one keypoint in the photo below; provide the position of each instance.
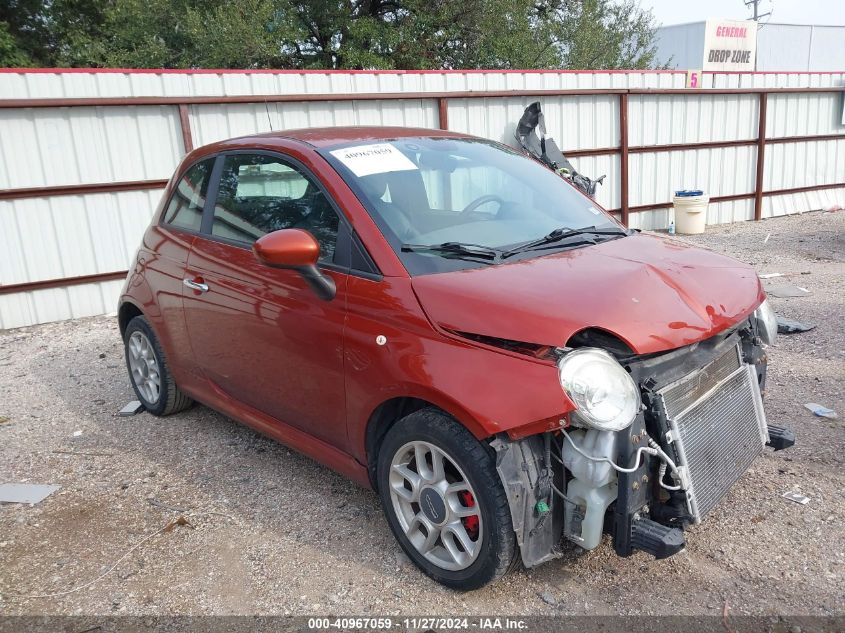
(730, 45)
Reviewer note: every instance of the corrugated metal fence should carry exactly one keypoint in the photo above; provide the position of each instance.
(85, 154)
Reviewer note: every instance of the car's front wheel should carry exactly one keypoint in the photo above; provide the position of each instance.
(148, 370)
(444, 501)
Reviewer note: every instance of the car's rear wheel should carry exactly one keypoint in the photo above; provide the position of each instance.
(444, 501)
(148, 370)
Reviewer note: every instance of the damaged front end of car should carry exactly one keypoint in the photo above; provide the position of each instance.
(655, 442)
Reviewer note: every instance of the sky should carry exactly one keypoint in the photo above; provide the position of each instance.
(784, 11)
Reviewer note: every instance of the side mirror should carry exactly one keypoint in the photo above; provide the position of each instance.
(297, 250)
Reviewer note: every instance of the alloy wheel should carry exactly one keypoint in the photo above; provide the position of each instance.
(143, 366)
(435, 505)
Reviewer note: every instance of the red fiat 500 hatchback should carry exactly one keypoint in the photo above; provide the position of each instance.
(451, 323)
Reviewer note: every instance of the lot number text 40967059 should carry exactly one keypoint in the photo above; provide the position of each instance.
(431, 623)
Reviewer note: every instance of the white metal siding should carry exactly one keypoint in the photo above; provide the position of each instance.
(66, 236)
(212, 123)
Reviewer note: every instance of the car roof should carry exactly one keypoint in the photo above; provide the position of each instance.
(328, 136)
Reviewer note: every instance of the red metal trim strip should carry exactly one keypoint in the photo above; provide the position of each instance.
(805, 138)
(663, 205)
(328, 71)
(598, 151)
(185, 125)
(679, 147)
(386, 96)
(66, 102)
(333, 71)
(775, 72)
(62, 282)
(784, 192)
(740, 196)
(78, 190)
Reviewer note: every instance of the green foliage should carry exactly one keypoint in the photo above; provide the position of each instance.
(409, 34)
(11, 54)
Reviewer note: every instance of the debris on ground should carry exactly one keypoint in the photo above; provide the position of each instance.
(769, 275)
(180, 521)
(821, 411)
(133, 408)
(26, 493)
(159, 504)
(167, 528)
(796, 497)
(82, 453)
(791, 326)
(787, 291)
(4, 419)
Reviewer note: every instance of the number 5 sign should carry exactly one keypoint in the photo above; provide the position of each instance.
(693, 79)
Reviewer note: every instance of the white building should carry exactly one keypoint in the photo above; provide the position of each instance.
(780, 47)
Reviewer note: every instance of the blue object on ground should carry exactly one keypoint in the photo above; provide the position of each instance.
(822, 412)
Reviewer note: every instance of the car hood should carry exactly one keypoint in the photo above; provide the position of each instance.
(653, 293)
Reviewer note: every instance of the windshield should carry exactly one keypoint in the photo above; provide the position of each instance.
(449, 203)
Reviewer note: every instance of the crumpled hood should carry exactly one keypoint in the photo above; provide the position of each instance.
(653, 293)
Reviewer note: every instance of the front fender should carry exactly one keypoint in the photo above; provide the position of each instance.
(486, 390)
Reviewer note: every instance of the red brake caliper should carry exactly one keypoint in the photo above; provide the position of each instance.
(470, 523)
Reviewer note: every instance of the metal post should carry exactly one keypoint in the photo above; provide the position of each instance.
(185, 124)
(443, 111)
(623, 159)
(761, 155)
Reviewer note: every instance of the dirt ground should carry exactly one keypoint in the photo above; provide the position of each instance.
(272, 532)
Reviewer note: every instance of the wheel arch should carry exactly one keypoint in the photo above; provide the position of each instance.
(389, 412)
(125, 313)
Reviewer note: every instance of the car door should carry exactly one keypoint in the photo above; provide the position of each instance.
(165, 254)
(261, 334)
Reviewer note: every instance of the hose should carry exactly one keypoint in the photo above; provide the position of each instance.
(640, 451)
(661, 474)
(653, 449)
(667, 461)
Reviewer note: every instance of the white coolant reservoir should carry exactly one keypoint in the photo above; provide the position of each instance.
(597, 444)
(584, 517)
(593, 488)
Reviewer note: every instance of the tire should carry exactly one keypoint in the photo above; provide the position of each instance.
(167, 398)
(469, 468)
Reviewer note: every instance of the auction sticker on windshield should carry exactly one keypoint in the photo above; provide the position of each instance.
(378, 158)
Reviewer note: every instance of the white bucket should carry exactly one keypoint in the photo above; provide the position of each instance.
(690, 213)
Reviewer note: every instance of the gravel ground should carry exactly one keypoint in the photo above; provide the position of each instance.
(272, 532)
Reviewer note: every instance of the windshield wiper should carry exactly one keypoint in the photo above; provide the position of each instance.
(563, 233)
(455, 250)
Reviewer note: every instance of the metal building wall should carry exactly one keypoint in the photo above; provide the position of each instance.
(47, 237)
(800, 47)
(780, 47)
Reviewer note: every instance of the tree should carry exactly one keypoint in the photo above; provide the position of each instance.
(409, 34)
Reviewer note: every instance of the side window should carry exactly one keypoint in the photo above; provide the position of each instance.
(261, 194)
(185, 207)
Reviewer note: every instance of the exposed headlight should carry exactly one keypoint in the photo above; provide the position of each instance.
(767, 322)
(605, 394)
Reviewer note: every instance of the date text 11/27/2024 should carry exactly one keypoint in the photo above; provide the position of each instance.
(418, 623)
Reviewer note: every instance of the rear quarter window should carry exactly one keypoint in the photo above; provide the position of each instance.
(184, 209)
